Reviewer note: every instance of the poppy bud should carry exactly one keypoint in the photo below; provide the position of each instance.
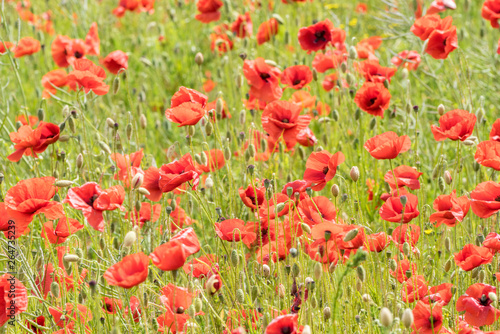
(468, 142)
(281, 290)
(254, 292)
(116, 85)
(234, 258)
(327, 313)
(306, 228)
(41, 114)
(441, 110)
(335, 190)
(407, 318)
(404, 73)
(171, 152)
(240, 296)
(351, 235)
(192, 130)
(318, 271)
(71, 124)
(138, 206)
(393, 265)
(143, 191)
(354, 174)
(209, 129)
(242, 117)
(350, 79)
(129, 131)
(64, 138)
(492, 296)
(386, 317)
(447, 177)
(481, 276)
(315, 74)
(209, 182)
(143, 122)
(198, 59)
(129, 239)
(63, 183)
(331, 268)
(295, 270)
(353, 54)
(373, 123)
(105, 147)
(137, 180)
(386, 83)
(343, 67)
(266, 271)
(447, 266)
(251, 150)
(335, 115)
(360, 271)
(55, 289)
(406, 249)
(71, 258)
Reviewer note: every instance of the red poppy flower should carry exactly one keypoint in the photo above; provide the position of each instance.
(373, 98)
(492, 242)
(112, 305)
(4, 46)
(215, 161)
(438, 6)
(134, 6)
(377, 242)
(409, 59)
(442, 42)
(220, 40)
(317, 36)
(29, 198)
(151, 184)
(321, 167)
(296, 77)
(57, 78)
(32, 120)
(147, 213)
(405, 176)
(201, 266)
(409, 233)
(187, 107)
(477, 305)
(263, 80)
(402, 267)
(428, 319)
(366, 47)
(488, 154)
(495, 131)
(387, 145)
(88, 76)
(233, 230)
(57, 232)
(450, 209)
(67, 319)
(115, 61)
(323, 252)
(132, 270)
(13, 298)
(62, 51)
(178, 218)
(26, 46)
(173, 254)
(287, 323)
(176, 173)
(485, 199)
(266, 30)
(252, 196)
(30, 142)
(472, 256)
(330, 81)
(306, 138)
(40, 321)
(491, 12)
(440, 294)
(373, 72)
(394, 211)
(317, 210)
(424, 26)
(242, 26)
(209, 10)
(176, 300)
(93, 201)
(282, 120)
(126, 162)
(92, 40)
(330, 59)
(304, 99)
(415, 288)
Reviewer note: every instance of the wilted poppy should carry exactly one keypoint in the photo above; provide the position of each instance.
(88, 76)
(488, 154)
(450, 209)
(132, 270)
(317, 36)
(13, 298)
(491, 12)
(476, 303)
(296, 77)
(485, 199)
(209, 10)
(405, 176)
(442, 42)
(472, 256)
(30, 142)
(116, 61)
(57, 232)
(93, 201)
(428, 319)
(176, 173)
(373, 98)
(173, 254)
(287, 323)
(409, 59)
(321, 167)
(26, 46)
(387, 145)
(263, 80)
(394, 211)
(282, 120)
(267, 30)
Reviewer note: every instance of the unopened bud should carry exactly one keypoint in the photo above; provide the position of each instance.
(129, 239)
(137, 180)
(198, 58)
(351, 235)
(407, 318)
(441, 110)
(335, 190)
(354, 173)
(386, 317)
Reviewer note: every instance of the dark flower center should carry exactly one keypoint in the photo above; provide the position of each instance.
(320, 36)
(180, 310)
(92, 200)
(296, 82)
(265, 76)
(78, 55)
(431, 320)
(285, 120)
(372, 101)
(286, 330)
(484, 300)
(497, 199)
(325, 170)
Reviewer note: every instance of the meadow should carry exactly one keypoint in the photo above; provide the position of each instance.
(249, 166)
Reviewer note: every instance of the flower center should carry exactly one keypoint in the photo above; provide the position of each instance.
(180, 310)
(265, 76)
(320, 36)
(285, 120)
(78, 55)
(286, 330)
(325, 170)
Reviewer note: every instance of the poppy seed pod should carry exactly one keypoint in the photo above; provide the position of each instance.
(354, 174)
(129, 239)
(386, 318)
(407, 318)
(198, 59)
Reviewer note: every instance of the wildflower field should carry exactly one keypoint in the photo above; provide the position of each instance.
(249, 166)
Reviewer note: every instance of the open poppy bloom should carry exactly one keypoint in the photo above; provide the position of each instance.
(67, 319)
(215, 161)
(40, 321)
(93, 201)
(317, 210)
(394, 211)
(128, 165)
(6, 46)
(187, 107)
(495, 131)
(414, 289)
(440, 294)
(485, 199)
(26, 46)
(424, 26)
(176, 300)
(373, 72)
(29, 198)
(220, 40)
(442, 42)
(409, 233)
(263, 80)
(455, 125)
(112, 305)
(387, 145)
(53, 79)
(30, 142)
(377, 242)
(57, 232)
(488, 154)
(134, 6)
(428, 319)
(267, 30)
(176, 173)
(402, 267)
(492, 242)
(252, 196)
(450, 209)
(373, 98)
(88, 76)
(408, 59)
(13, 298)
(282, 120)
(287, 323)
(201, 266)
(65, 51)
(366, 47)
(209, 10)
(321, 167)
(116, 61)
(242, 26)
(296, 77)
(132, 270)
(92, 40)
(233, 230)
(173, 254)
(477, 305)
(146, 214)
(330, 59)
(472, 256)
(405, 176)
(151, 184)
(491, 12)
(317, 36)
